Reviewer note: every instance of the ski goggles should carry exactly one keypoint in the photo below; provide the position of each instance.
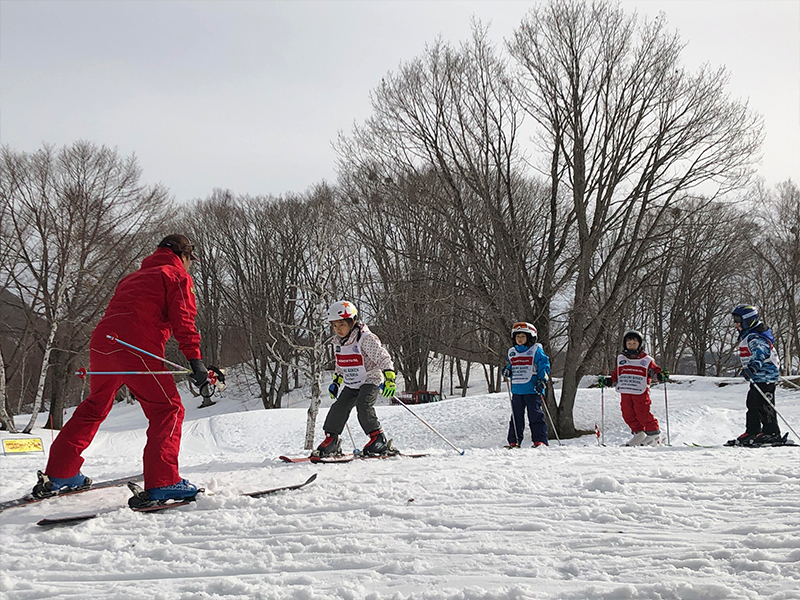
(737, 318)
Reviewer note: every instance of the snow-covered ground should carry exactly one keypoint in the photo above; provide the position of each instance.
(577, 521)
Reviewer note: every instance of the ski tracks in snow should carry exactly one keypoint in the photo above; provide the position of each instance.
(564, 523)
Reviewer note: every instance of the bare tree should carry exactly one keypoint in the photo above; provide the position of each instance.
(203, 222)
(78, 220)
(437, 169)
(320, 267)
(777, 245)
(261, 242)
(633, 131)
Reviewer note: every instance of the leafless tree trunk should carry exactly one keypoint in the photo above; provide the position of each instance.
(6, 419)
(38, 402)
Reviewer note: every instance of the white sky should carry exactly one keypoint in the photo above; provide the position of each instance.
(249, 95)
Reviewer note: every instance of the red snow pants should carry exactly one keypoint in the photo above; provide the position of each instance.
(158, 397)
(636, 412)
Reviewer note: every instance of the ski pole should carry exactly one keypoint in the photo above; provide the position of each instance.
(603, 411)
(666, 408)
(355, 450)
(214, 374)
(513, 421)
(547, 410)
(428, 425)
(763, 395)
(114, 338)
(83, 372)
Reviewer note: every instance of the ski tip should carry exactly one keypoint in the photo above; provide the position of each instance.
(66, 520)
(310, 479)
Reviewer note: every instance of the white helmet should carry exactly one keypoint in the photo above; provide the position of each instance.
(342, 310)
(524, 327)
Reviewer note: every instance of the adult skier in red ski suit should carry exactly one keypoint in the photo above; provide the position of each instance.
(148, 305)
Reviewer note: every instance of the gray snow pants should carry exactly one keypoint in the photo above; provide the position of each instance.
(363, 399)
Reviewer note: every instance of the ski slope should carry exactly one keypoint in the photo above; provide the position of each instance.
(570, 522)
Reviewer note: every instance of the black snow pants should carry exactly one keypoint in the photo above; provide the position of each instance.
(363, 399)
(761, 417)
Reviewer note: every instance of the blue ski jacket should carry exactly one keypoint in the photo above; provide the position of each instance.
(757, 352)
(538, 371)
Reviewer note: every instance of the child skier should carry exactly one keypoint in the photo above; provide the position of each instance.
(528, 368)
(632, 376)
(760, 366)
(365, 368)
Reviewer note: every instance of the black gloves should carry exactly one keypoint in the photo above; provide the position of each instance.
(604, 381)
(199, 374)
(748, 373)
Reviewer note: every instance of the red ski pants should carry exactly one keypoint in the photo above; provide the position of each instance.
(636, 412)
(158, 397)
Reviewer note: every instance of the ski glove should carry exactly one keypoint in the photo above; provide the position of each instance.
(507, 372)
(388, 387)
(604, 381)
(199, 375)
(662, 376)
(748, 373)
(333, 389)
(539, 387)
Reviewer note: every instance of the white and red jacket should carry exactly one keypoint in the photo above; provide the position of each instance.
(633, 373)
(361, 358)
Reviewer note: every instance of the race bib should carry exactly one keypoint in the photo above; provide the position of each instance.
(351, 364)
(632, 374)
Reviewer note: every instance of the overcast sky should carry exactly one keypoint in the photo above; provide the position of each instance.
(249, 96)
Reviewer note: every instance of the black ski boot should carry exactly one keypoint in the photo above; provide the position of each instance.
(378, 445)
(746, 439)
(770, 439)
(330, 446)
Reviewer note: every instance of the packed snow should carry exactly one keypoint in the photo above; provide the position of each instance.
(572, 522)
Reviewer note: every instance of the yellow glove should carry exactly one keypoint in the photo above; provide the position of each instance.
(333, 389)
(388, 387)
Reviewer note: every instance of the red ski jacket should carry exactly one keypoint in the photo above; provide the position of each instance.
(150, 304)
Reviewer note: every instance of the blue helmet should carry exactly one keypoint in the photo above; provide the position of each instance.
(746, 315)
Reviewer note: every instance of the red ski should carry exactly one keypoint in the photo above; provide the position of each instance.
(344, 458)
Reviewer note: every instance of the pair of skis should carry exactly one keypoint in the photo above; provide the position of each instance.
(24, 501)
(344, 458)
(784, 441)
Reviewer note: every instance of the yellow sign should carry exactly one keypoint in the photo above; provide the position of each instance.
(23, 446)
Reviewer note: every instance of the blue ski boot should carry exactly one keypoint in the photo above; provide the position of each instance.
(183, 490)
(52, 486)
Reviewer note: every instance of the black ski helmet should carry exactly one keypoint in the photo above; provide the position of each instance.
(746, 315)
(632, 335)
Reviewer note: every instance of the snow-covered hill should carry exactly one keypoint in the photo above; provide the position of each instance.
(576, 521)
